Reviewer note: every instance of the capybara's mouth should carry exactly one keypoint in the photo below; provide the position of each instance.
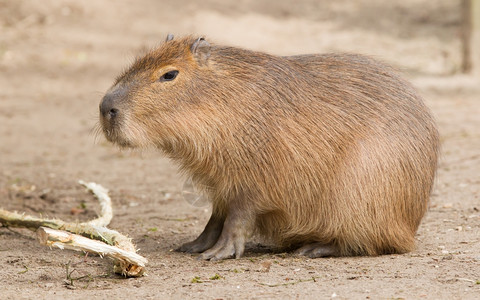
(118, 139)
(113, 133)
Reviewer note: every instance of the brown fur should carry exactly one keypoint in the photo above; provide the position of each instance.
(333, 150)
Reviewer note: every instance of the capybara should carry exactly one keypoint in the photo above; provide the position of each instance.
(333, 154)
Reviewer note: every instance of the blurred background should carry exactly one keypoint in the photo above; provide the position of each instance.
(418, 35)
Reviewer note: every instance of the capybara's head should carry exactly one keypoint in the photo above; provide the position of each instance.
(157, 99)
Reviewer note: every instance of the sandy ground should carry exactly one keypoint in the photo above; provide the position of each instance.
(57, 58)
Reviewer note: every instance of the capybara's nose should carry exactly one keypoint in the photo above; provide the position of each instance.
(107, 107)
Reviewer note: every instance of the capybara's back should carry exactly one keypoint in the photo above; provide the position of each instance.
(368, 152)
(334, 154)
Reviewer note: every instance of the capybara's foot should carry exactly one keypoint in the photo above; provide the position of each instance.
(207, 238)
(225, 248)
(197, 246)
(231, 242)
(315, 250)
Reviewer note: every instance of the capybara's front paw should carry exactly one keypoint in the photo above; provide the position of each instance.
(225, 248)
(193, 247)
(231, 242)
(207, 238)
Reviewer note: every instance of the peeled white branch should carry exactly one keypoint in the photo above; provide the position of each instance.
(133, 264)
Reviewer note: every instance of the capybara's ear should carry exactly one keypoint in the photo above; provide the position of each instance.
(169, 37)
(201, 50)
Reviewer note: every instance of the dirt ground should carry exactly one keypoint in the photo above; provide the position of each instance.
(57, 58)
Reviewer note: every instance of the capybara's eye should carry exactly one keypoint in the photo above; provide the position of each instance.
(169, 76)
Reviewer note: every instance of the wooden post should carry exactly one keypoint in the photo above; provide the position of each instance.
(466, 36)
(471, 36)
(475, 42)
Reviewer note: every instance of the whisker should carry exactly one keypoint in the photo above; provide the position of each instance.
(96, 131)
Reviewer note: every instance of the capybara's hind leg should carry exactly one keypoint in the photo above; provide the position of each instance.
(314, 250)
(207, 238)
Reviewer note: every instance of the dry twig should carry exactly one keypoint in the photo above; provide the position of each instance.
(90, 236)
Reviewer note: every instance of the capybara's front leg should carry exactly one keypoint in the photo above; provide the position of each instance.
(208, 237)
(231, 242)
